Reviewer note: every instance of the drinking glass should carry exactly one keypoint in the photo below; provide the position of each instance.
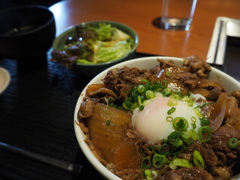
(177, 14)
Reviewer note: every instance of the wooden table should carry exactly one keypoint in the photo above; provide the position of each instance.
(140, 15)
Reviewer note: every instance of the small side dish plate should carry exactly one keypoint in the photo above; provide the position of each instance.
(4, 79)
(224, 27)
(88, 69)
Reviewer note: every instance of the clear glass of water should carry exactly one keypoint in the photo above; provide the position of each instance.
(177, 14)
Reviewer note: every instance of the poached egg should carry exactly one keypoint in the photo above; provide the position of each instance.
(152, 123)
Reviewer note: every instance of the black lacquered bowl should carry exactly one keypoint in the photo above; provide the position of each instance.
(26, 31)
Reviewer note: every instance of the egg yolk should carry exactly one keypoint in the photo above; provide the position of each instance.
(151, 123)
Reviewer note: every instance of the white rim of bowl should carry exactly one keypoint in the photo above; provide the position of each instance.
(80, 135)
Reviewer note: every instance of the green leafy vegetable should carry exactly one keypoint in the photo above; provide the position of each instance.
(105, 32)
(115, 50)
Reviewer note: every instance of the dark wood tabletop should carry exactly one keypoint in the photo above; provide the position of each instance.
(37, 108)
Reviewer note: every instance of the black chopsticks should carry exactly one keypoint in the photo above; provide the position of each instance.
(69, 167)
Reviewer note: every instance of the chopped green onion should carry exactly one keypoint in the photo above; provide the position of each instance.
(108, 122)
(158, 160)
(205, 133)
(146, 102)
(174, 135)
(146, 163)
(164, 143)
(166, 91)
(181, 162)
(201, 105)
(134, 95)
(164, 83)
(127, 103)
(190, 135)
(150, 174)
(117, 106)
(156, 149)
(141, 89)
(145, 80)
(168, 73)
(175, 151)
(158, 94)
(198, 159)
(111, 104)
(172, 110)
(141, 107)
(204, 121)
(233, 143)
(154, 174)
(193, 134)
(165, 153)
(172, 166)
(155, 87)
(150, 94)
(180, 124)
(186, 140)
(198, 112)
(169, 118)
(188, 100)
(176, 90)
(193, 119)
(175, 96)
(147, 86)
(172, 102)
(178, 142)
(139, 100)
(134, 106)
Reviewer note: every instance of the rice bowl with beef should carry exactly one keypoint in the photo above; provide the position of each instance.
(195, 134)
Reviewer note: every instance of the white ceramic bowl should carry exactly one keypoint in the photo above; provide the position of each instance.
(4, 79)
(227, 81)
